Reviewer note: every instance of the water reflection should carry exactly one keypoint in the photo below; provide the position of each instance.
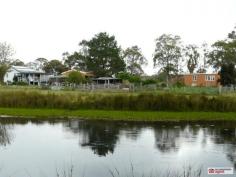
(104, 137)
(169, 137)
(5, 134)
(166, 138)
(226, 136)
(101, 138)
(7, 128)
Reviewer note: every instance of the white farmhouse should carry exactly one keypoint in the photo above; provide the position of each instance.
(23, 74)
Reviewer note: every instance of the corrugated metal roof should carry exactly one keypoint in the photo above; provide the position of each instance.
(199, 74)
(66, 73)
(24, 69)
(106, 78)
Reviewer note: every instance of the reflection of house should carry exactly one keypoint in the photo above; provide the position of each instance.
(198, 79)
(23, 74)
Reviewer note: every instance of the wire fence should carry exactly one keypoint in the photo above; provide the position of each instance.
(153, 88)
(138, 88)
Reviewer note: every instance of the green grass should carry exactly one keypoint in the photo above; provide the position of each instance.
(171, 105)
(123, 101)
(119, 115)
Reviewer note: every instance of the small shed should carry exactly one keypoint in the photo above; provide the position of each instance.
(107, 80)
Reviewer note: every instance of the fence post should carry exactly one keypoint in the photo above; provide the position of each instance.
(141, 86)
(220, 89)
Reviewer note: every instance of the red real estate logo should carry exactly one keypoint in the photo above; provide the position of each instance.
(220, 170)
(210, 171)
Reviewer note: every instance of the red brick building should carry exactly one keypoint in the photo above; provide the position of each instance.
(201, 80)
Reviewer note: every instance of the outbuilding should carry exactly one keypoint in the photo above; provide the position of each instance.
(107, 80)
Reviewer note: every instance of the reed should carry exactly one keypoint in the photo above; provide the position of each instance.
(122, 101)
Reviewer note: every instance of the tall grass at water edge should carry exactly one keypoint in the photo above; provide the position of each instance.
(188, 171)
(122, 101)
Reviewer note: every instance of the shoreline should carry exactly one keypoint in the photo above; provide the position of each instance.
(149, 116)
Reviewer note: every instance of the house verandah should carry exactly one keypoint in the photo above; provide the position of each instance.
(30, 78)
(23, 74)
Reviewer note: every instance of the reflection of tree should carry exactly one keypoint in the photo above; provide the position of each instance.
(102, 136)
(223, 134)
(5, 136)
(231, 154)
(8, 124)
(132, 130)
(166, 138)
(226, 135)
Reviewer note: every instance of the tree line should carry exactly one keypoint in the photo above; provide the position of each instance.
(102, 55)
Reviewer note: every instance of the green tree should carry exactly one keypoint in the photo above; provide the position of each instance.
(232, 35)
(201, 70)
(167, 54)
(129, 77)
(223, 57)
(134, 60)
(160, 76)
(75, 77)
(6, 52)
(228, 74)
(192, 57)
(205, 57)
(3, 70)
(41, 62)
(54, 67)
(103, 56)
(75, 61)
(224, 51)
(17, 62)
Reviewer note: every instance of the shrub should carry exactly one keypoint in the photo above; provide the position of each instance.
(149, 81)
(129, 77)
(20, 83)
(75, 77)
(179, 84)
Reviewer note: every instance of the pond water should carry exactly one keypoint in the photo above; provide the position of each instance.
(100, 148)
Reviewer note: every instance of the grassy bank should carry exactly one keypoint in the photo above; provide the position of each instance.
(119, 115)
(122, 101)
(117, 106)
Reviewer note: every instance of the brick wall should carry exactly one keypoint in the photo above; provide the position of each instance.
(201, 80)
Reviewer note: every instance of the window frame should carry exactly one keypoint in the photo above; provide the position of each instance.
(194, 77)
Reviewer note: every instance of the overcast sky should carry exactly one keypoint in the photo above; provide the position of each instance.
(47, 28)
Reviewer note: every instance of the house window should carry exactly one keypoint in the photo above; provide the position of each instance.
(209, 77)
(194, 77)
